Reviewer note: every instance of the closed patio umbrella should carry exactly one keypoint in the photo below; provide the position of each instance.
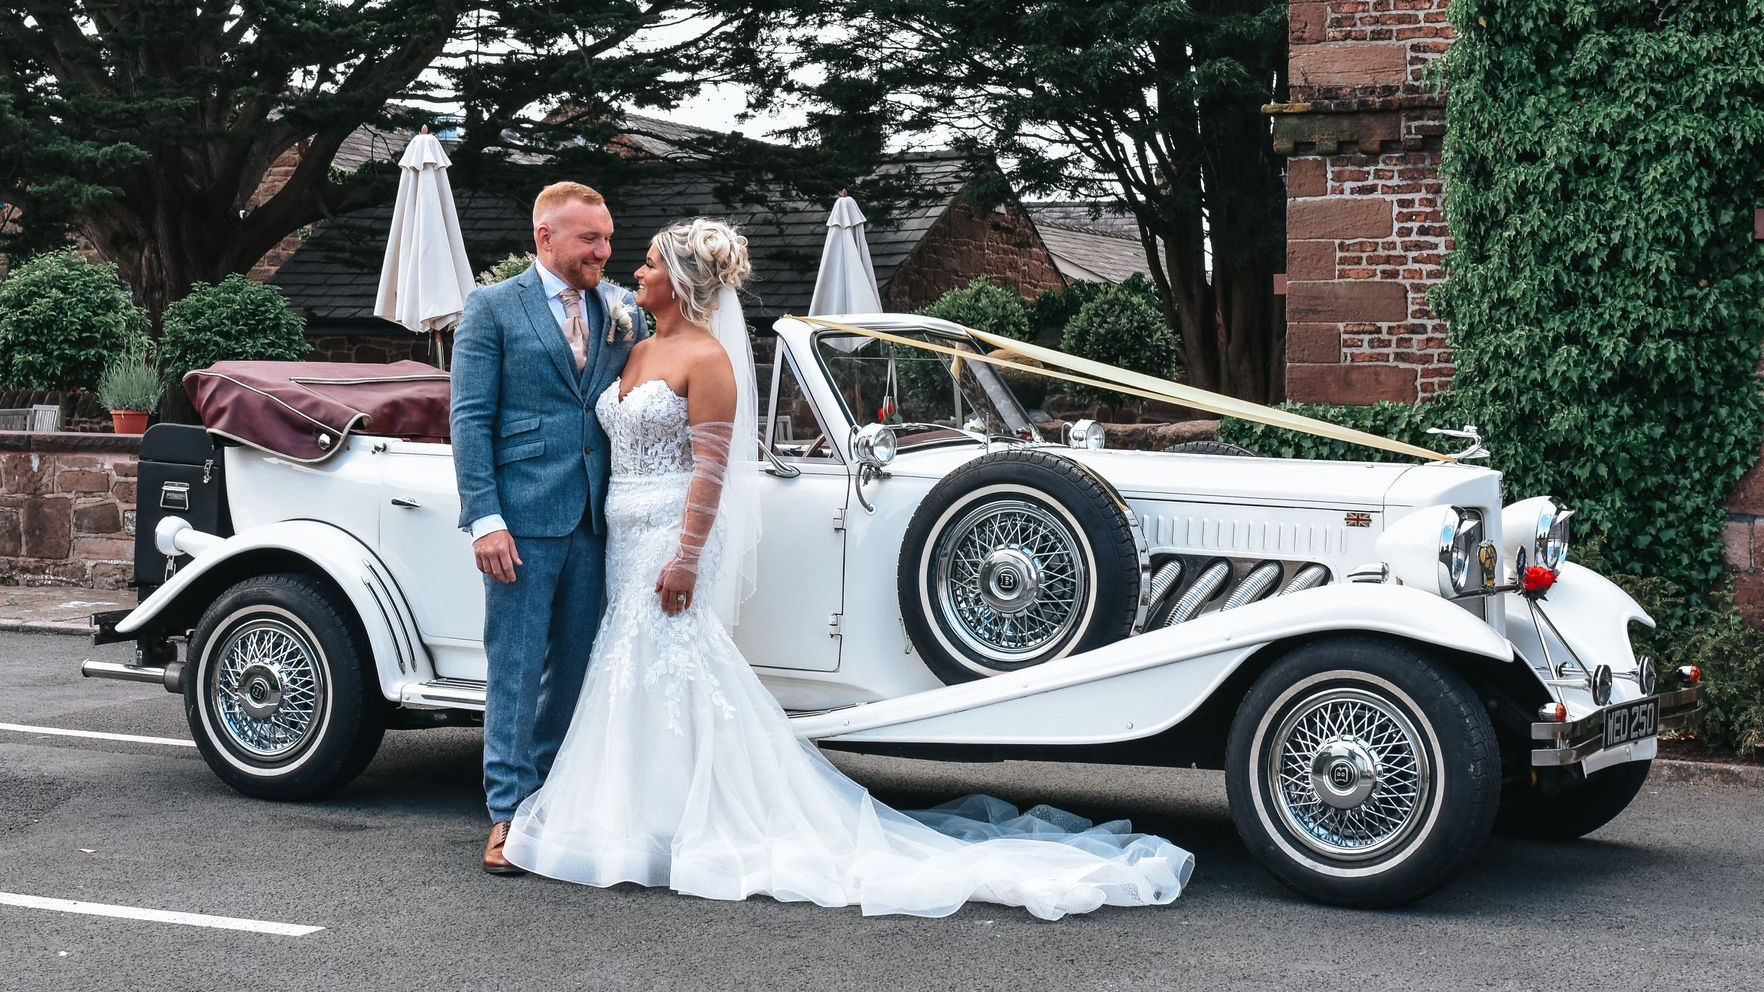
(846, 282)
(425, 278)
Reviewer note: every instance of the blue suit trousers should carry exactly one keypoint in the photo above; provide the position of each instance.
(538, 644)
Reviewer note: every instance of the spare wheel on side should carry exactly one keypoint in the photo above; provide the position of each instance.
(1017, 558)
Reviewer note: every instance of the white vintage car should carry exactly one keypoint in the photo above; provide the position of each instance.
(1345, 640)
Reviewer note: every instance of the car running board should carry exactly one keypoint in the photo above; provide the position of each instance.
(453, 694)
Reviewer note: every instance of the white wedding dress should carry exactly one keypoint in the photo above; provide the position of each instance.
(680, 769)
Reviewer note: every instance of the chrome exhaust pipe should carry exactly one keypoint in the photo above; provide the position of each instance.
(171, 676)
(1258, 583)
(115, 670)
(1164, 581)
(1309, 577)
(1206, 585)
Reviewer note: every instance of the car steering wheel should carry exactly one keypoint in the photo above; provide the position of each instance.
(815, 446)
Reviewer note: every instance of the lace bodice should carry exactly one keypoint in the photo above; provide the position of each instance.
(649, 431)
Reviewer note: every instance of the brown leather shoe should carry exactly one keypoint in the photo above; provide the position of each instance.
(494, 862)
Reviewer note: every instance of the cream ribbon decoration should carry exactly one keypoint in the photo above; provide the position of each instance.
(1097, 374)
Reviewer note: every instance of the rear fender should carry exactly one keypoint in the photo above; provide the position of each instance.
(398, 651)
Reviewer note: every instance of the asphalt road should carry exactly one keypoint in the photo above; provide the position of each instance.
(1667, 897)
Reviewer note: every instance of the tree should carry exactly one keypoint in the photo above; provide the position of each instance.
(1154, 104)
(148, 126)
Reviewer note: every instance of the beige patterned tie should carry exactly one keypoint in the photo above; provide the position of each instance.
(575, 327)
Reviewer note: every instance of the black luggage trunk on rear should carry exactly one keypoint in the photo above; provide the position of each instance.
(181, 476)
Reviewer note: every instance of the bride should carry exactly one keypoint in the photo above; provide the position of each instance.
(679, 768)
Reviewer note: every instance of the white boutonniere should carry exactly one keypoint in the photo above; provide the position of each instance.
(619, 320)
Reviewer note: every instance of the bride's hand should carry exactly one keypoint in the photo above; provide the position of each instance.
(675, 585)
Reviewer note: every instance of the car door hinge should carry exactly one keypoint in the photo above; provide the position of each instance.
(833, 625)
(839, 518)
(208, 471)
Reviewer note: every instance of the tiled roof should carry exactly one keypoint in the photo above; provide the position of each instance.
(1094, 257)
(334, 276)
(1096, 216)
(1090, 239)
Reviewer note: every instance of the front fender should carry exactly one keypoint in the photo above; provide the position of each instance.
(398, 651)
(1591, 617)
(1140, 686)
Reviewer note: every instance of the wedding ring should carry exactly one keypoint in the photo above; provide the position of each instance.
(681, 598)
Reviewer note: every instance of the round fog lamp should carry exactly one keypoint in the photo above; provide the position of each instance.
(874, 446)
(1647, 676)
(1601, 684)
(1086, 434)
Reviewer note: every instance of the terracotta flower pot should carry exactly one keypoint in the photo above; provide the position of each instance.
(129, 421)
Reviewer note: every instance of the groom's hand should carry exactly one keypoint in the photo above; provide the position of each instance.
(497, 557)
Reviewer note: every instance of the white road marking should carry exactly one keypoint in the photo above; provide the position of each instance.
(156, 915)
(132, 738)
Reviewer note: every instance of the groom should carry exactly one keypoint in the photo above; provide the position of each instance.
(530, 357)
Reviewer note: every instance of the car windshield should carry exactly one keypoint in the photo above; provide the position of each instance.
(915, 391)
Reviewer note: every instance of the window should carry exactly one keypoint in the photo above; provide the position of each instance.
(790, 427)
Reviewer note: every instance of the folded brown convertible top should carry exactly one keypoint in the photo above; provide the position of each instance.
(305, 410)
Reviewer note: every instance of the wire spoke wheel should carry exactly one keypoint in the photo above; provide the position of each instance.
(267, 688)
(1010, 579)
(1349, 774)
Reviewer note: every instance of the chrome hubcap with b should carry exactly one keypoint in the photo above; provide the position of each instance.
(1010, 580)
(267, 688)
(1349, 773)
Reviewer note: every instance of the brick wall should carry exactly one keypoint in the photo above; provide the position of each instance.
(1745, 542)
(1365, 209)
(966, 243)
(369, 348)
(67, 509)
(273, 180)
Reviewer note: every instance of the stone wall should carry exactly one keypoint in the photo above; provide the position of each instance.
(67, 509)
(369, 348)
(1366, 228)
(966, 243)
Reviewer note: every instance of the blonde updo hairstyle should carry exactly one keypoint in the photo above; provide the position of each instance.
(703, 257)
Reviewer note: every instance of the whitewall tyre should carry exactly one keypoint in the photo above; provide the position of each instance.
(279, 691)
(1017, 558)
(1362, 772)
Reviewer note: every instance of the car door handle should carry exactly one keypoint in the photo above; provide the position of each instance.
(406, 502)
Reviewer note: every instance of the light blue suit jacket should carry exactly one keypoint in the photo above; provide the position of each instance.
(526, 441)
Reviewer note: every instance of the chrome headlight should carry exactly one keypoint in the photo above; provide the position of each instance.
(1535, 532)
(1086, 434)
(1459, 533)
(874, 446)
(1437, 548)
(1550, 543)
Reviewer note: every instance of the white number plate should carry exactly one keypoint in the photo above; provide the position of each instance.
(1632, 722)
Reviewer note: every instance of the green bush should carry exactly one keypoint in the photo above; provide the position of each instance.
(234, 320)
(506, 269)
(1708, 632)
(1397, 421)
(1606, 296)
(61, 319)
(1054, 309)
(1120, 328)
(985, 306)
(131, 381)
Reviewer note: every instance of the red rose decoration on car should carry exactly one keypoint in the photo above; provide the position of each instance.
(1537, 581)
